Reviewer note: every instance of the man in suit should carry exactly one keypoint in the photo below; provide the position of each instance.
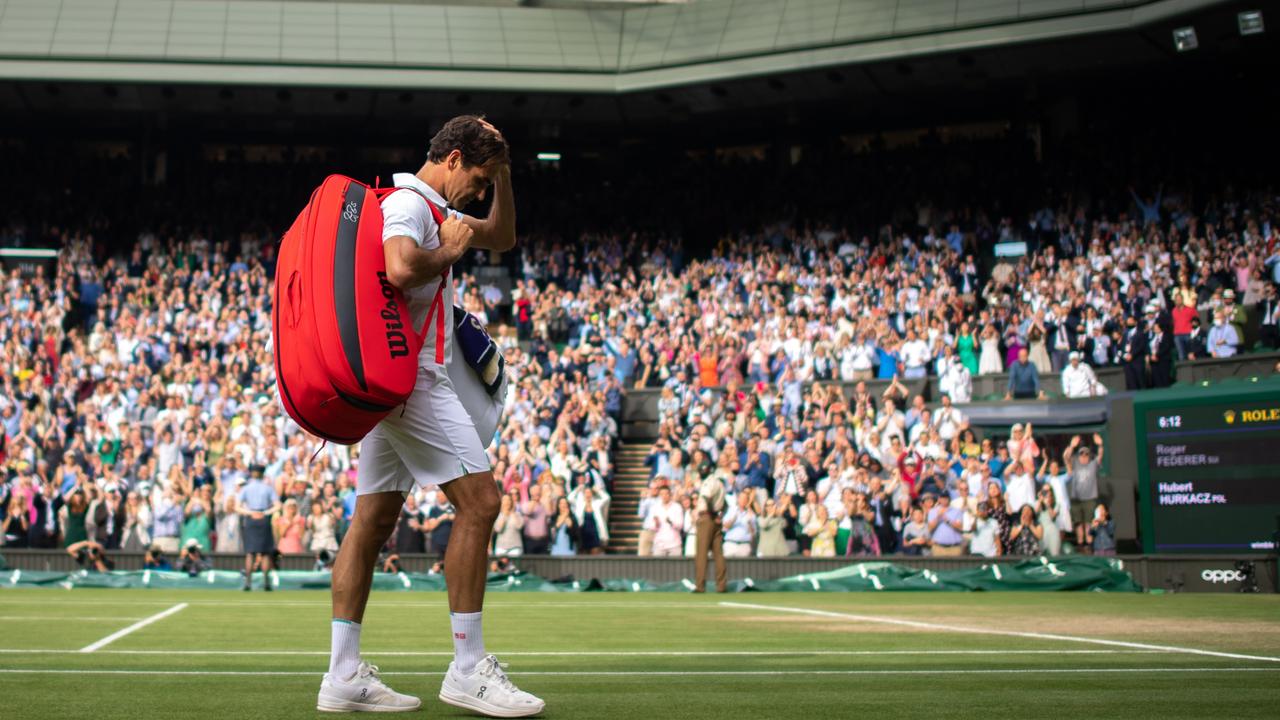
(965, 278)
(1134, 302)
(1197, 341)
(1161, 316)
(1097, 348)
(1133, 355)
(1070, 241)
(1060, 337)
(1160, 350)
(1268, 310)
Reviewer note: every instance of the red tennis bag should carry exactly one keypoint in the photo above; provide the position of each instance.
(346, 351)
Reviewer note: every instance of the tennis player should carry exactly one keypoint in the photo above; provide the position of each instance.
(435, 441)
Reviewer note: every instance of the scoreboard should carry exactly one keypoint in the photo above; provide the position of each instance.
(1209, 472)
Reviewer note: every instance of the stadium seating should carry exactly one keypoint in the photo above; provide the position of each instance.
(138, 366)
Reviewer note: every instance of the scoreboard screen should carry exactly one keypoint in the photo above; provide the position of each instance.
(1209, 474)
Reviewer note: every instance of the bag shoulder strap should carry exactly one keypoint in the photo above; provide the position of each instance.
(437, 309)
(437, 212)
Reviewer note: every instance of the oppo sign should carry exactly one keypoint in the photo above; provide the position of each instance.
(1222, 576)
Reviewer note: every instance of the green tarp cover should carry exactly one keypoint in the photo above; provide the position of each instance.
(1075, 572)
(1037, 574)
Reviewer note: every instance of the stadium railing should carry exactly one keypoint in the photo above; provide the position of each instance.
(640, 408)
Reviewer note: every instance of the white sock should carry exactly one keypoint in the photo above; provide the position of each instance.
(344, 656)
(468, 643)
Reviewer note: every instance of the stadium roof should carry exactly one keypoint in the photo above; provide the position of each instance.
(581, 47)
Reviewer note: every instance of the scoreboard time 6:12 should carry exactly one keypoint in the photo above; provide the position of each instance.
(1209, 479)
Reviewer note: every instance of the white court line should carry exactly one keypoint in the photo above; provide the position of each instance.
(601, 653)
(13, 597)
(659, 673)
(132, 628)
(991, 631)
(585, 603)
(374, 605)
(48, 618)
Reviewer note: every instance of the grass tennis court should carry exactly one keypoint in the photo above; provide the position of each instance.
(749, 655)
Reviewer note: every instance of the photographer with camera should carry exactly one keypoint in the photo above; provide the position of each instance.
(192, 559)
(89, 555)
(391, 564)
(155, 559)
(503, 566)
(324, 561)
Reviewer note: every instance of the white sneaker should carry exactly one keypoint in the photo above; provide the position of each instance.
(364, 692)
(488, 691)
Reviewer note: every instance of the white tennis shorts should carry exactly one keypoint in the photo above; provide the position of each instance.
(436, 440)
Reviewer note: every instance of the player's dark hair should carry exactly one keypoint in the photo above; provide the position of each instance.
(466, 133)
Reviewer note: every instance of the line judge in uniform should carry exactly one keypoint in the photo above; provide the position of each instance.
(710, 538)
(257, 502)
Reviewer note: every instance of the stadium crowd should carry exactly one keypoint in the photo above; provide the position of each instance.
(138, 400)
(815, 470)
(138, 392)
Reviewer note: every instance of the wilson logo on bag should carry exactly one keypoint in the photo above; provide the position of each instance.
(346, 351)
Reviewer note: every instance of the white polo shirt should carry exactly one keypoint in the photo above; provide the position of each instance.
(404, 212)
(915, 353)
(1078, 381)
